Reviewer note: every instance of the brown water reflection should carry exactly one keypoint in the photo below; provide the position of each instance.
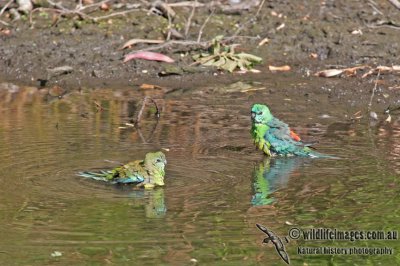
(206, 212)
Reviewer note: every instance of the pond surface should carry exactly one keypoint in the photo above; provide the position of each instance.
(217, 185)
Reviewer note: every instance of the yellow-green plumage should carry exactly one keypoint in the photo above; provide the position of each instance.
(148, 172)
(275, 138)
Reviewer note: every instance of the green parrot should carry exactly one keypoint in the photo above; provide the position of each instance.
(275, 138)
(146, 173)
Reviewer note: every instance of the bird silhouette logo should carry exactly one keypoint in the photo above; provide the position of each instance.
(277, 241)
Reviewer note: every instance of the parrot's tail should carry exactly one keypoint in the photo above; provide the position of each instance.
(101, 176)
(308, 152)
(314, 154)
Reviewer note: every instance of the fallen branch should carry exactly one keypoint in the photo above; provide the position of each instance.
(252, 19)
(203, 26)
(61, 10)
(175, 42)
(95, 19)
(169, 23)
(396, 3)
(189, 21)
(259, 8)
(4, 23)
(5, 7)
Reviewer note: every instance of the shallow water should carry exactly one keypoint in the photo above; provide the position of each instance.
(217, 185)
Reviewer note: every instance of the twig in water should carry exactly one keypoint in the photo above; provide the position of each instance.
(373, 91)
(98, 106)
(204, 24)
(113, 162)
(139, 116)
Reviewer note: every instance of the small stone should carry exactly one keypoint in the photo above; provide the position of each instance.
(56, 254)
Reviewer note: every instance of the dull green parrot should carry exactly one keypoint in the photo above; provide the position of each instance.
(275, 138)
(146, 173)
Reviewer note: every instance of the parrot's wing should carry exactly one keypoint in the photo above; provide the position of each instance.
(281, 131)
(132, 172)
(128, 179)
(279, 136)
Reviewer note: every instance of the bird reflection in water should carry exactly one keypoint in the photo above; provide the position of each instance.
(271, 175)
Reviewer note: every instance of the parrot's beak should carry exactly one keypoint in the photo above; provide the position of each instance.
(253, 115)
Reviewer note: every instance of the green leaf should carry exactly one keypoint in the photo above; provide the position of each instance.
(209, 62)
(246, 62)
(221, 61)
(250, 57)
(229, 65)
(218, 38)
(205, 59)
(241, 66)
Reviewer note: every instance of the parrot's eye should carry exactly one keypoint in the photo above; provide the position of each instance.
(158, 161)
(260, 113)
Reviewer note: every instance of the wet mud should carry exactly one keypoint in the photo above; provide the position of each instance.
(306, 35)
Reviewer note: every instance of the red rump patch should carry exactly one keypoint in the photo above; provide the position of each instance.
(294, 136)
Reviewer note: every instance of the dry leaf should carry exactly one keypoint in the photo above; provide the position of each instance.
(151, 56)
(5, 32)
(56, 91)
(329, 73)
(396, 68)
(383, 68)
(279, 68)
(357, 32)
(263, 41)
(145, 86)
(388, 119)
(280, 26)
(253, 89)
(314, 55)
(104, 7)
(132, 42)
(255, 71)
(351, 71)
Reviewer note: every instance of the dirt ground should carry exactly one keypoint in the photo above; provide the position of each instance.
(306, 35)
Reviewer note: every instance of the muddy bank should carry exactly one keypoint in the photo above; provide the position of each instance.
(307, 35)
